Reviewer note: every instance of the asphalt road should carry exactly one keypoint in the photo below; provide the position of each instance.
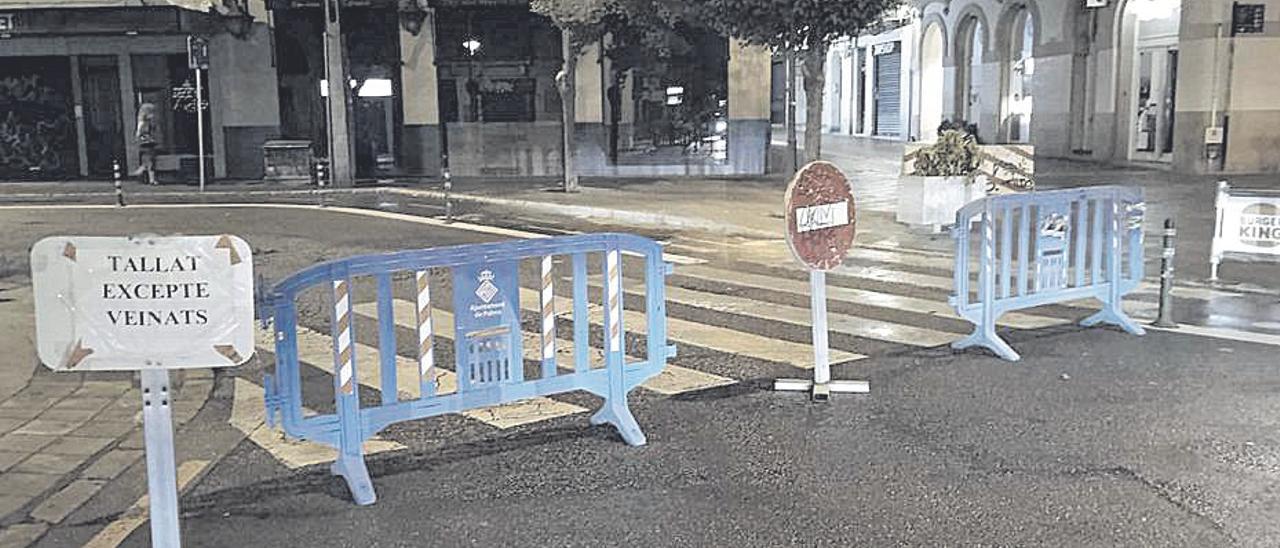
(1096, 438)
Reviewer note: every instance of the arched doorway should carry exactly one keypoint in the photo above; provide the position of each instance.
(1147, 68)
(932, 50)
(1018, 72)
(969, 57)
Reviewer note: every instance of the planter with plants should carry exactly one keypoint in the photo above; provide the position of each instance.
(940, 178)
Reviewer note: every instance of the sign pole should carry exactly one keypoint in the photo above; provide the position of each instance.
(820, 219)
(162, 484)
(818, 304)
(200, 122)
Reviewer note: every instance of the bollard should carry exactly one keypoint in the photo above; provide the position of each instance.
(115, 175)
(1165, 316)
(448, 199)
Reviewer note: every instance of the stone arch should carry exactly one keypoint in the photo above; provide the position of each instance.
(971, 49)
(1015, 52)
(933, 55)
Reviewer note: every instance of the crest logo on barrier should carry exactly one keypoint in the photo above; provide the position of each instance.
(486, 290)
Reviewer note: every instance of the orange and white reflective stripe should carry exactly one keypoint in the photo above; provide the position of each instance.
(345, 358)
(613, 285)
(548, 312)
(426, 350)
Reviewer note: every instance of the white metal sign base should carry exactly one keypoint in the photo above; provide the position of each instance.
(162, 483)
(821, 387)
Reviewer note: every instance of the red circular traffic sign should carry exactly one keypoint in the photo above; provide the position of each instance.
(820, 216)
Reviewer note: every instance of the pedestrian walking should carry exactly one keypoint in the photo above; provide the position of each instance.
(148, 142)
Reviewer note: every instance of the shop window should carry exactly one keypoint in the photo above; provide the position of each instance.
(166, 82)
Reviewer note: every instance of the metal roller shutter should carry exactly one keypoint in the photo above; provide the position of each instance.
(888, 93)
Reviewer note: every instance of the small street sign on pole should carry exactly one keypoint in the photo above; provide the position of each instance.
(148, 304)
(198, 60)
(821, 224)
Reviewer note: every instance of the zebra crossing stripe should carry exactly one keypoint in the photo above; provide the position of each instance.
(344, 357)
(312, 346)
(672, 380)
(720, 339)
(426, 348)
(248, 415)
(858, 296)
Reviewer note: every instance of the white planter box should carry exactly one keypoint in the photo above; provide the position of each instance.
(933, 201)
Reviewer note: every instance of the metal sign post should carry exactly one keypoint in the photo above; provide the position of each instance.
(148, 304)
(820, 230)
(162, 485)
(198, 60)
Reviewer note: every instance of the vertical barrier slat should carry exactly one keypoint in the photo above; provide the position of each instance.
(426, 344)
(1096, 243)
(961, 268)
(548, 320)
(1082, 234)
(613, 309)
(1113, 253)
(387, 340)
(1006, 249)
(986, 278)
(581, 322)
(344, 355)
(288, 374)
(1024, 248)
(655, 306)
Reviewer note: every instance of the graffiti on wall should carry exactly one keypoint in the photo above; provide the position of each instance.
(37, 131)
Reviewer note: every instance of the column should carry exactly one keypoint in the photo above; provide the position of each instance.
(750, 70)
(244, 105)
(592, 140)
(420, 137)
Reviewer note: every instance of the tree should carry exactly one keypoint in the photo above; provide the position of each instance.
(581, 24)
(806, 27)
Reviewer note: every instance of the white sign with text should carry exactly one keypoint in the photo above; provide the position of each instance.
(143, 302)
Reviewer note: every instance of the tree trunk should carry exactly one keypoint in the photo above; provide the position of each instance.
(789, 119)
(566, 83)
(815, 83)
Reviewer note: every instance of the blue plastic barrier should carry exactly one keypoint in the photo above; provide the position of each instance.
(1070, 244)
(487, 339)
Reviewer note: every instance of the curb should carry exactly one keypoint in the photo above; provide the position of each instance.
(641, 218)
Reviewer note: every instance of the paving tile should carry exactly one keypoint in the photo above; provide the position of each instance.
(78, 446)
(25, 443)
(134, 441)
(20, 412)
(48, 427)
(99, 428)
(8, 505)
(51, 389)
(26, 485)
(8, 425)
(49, 463)
(57, 507)
(103, 388)
(112, 464)
(21, 535)
(66, 415)
(9, 458)
(92, 403)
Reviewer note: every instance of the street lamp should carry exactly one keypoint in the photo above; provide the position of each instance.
(473, 45)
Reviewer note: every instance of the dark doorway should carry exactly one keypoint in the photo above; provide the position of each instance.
(103, 122)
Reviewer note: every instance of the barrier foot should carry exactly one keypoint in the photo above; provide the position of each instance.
(620, 417)
(1112, 315)
(356, 473)
(989, 340)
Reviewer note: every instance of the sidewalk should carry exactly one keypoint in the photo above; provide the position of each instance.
(734, 207)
